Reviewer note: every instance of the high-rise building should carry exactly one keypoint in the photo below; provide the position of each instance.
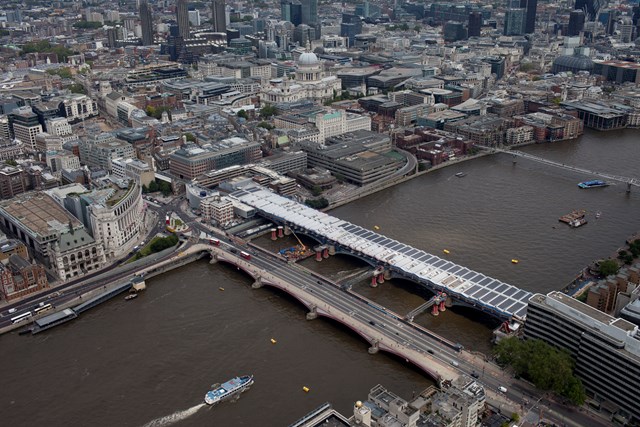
(475, 23)
(146, 22)
(530, 7)
(309, 12)
(285, 10)
(606, 350)
(590, 8)
(218, 16)
(182, 15)
(350, 27)
(576, 22)
(514, 22)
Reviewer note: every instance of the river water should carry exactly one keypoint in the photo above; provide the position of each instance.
(148, 362)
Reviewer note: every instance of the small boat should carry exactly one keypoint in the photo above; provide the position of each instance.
(376, 227)
(305, 389)
(578, 222)
(273, 341)
(461, 174)
(594, 183)
(221, 288)
(230, 388)
(598, 214)
(130, 297)
(446, 251)
(514, 261)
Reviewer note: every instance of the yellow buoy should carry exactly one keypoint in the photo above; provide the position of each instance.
(221, 288)
(305, 389)
(376, 227)
(273, 341)
(446, 251)
(515, 261)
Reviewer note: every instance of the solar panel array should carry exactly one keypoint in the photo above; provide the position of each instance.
(459, 282)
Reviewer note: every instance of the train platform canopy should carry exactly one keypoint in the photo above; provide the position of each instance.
(504, 300)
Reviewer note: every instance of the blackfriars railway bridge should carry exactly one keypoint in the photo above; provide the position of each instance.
(392, 258)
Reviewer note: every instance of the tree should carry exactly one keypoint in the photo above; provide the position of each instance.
(77, 88)
(267, 111)
(64, 72)
(190, 137)
(545, 366)
(165, 188)
(266, 125)
(317, 204)
(417, 28)
(404, 26)
(608, 267)
(243, 115)
(316, 191)
(145, 190)
(153, 187)
(11, 162)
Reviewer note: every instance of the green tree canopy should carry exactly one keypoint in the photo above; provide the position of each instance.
(243, 114)
(267, 111)
(317, 203)
(545, 366)
(608, 267)
(190, 137)
(64, 72)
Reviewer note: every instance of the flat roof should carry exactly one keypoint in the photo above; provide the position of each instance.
(40, 213)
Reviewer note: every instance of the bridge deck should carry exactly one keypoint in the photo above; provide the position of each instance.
(462, 283)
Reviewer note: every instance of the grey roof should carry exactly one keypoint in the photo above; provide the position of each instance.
(79, 238)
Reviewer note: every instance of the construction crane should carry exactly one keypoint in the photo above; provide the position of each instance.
(304, 248)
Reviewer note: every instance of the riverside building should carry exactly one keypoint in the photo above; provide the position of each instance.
(606, 350)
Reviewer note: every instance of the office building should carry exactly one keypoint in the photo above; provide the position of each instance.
(55, 237)
(26, 126)
(606, 350)
(350, 27)
(146, 23)
(514, 22)
(530, 7)
(192, 161)
(182, 16)
(309, 12)
(576, 22)
(19, 277)
(218, 16)
(475, 23)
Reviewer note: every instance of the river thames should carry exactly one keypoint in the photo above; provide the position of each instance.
(150, 361)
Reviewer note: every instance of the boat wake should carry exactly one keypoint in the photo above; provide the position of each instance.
(175, 417)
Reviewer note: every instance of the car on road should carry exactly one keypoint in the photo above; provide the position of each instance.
(474, 374)
(371, 322)
(12, 310)
(454, 363)
(429, 351)
(502, 389)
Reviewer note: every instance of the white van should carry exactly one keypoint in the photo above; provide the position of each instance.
(502, 389)
(12, 310)
(454, 363)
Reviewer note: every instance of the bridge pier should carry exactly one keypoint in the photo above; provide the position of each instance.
(325, 253)
(374, 281)
(257, 284)
(629, 187)
(313, 313)
(381, 278)
(287, 231)
(434, 310)
(280, 231)
(387, 275)
(374, 347)
(273, 234)
(332, 250)
(214, 259)
(318, 255)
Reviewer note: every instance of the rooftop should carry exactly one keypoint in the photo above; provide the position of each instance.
(39, 213)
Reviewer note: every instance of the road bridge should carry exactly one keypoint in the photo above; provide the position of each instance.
(623, 179)
(381, 328)
(464, 286)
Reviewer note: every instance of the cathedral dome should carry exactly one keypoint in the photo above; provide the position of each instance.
(308, 59)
